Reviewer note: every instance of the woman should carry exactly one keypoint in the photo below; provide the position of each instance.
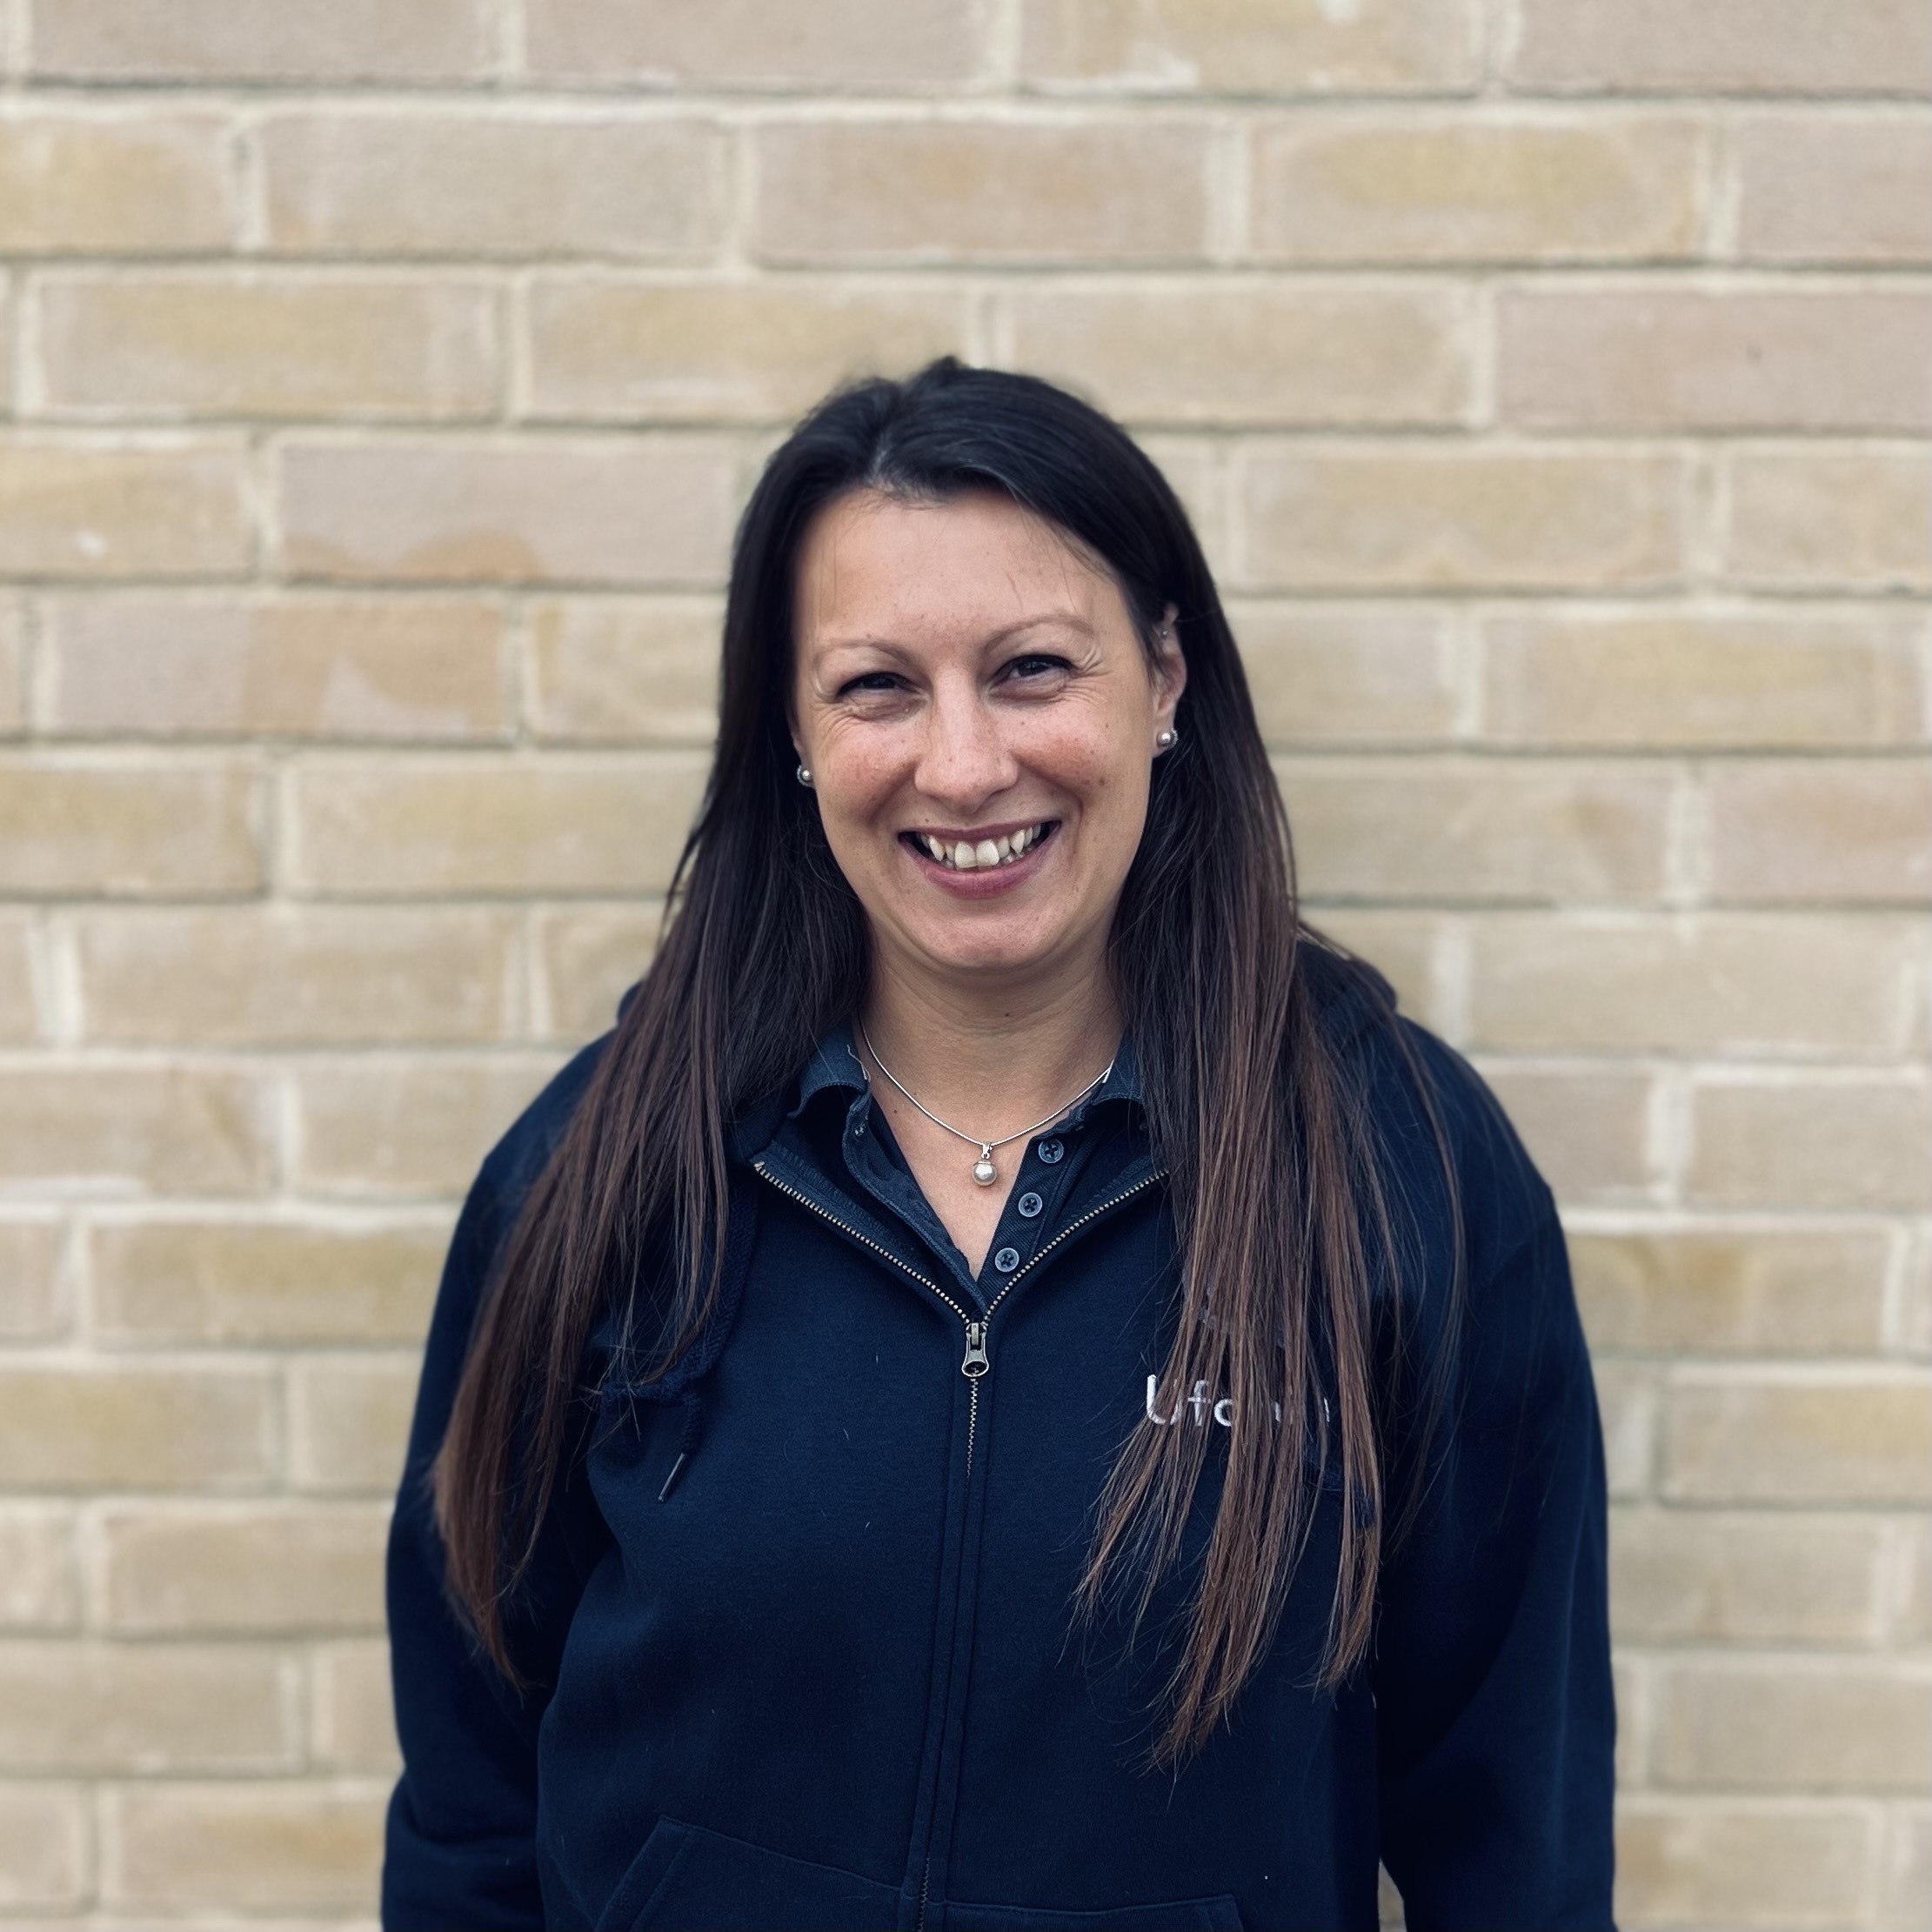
(1010, 1390)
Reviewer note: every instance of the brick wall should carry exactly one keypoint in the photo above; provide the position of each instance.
(378, 384)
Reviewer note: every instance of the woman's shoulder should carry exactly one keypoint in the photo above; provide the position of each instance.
(1427, 1108)
(523, 1149)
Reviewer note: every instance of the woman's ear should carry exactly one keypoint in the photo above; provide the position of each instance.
(1170, 666)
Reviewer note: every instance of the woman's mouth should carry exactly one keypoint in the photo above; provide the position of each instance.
(965, 855)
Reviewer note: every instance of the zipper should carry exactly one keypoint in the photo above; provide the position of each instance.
(976, 1362)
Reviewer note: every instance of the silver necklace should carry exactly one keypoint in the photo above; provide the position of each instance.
(984, 1171)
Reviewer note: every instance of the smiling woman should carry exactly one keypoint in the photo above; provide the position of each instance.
(1013, 1389)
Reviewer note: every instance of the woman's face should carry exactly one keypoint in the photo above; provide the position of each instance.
(979, 716)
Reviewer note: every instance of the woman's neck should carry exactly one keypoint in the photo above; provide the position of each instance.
(993, 1059)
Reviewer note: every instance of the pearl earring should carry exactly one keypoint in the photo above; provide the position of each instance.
(805, 776)
(1166, 738)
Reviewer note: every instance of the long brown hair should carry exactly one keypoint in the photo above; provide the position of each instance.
(1283, 1221)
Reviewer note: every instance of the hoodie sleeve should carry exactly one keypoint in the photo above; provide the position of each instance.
(1492, 1673)
(461, 1848)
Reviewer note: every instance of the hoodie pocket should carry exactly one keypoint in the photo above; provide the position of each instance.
(1186, 1914)
(686, 1879)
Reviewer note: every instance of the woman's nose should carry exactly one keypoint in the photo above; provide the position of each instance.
(964, 759)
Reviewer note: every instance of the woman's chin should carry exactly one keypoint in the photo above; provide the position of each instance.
(986, 949)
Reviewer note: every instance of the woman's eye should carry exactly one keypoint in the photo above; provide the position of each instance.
(1034, 664)
(872, 683)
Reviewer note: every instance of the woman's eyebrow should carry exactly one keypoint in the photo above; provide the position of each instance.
(1065, 620)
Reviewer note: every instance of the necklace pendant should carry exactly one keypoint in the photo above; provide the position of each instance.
(984, 1171)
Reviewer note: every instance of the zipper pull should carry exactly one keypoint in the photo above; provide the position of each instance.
(975, 1364)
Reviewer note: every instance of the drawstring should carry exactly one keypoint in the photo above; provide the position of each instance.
(693, 1406)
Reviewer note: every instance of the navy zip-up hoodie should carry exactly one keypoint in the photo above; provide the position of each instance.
(798, 1634)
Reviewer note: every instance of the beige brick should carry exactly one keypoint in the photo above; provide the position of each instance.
(1026, 190)
(122, 829)
(418, 667)
(1844, 1143)
(1401, 947)
(211, 40)
(6, 351)
(1401, 829)
(1905, 1872)
(142, 1708)
(1746, 46)
(1247, 351)
(655, 510)
(349, 1423)
(1812, 518)
(352, 1718)
(1426, 516)
(610, 350)
(76, 182)
(13, 632)
(1692, 1575)
(1910, 1607)
(1628, 1688)
(841, 45)
(64, 1426)
(134, 1129)
(1795, 677)
(243, 344)
(580, 826)
(1248, 46)
(1685, 1866)
(43, 1846)
(1912, 1317)
(462, 181)
(1721, 1291)
(1195, 465)
(85, 510)
(155, 1283)
(20, 1020)
(1435, 187)
(1816, 189)
(39, 1585)
(1627, 1400)
(1820, 830)
(1623, 358)
(615, 671)
(1585, 1127)
(1852, 1724)
(1791, 1436)
(33, 1290)
(281, 1568)
(407, 1128)
(589, 956)
(1741, 983)
(281, 1848)
(298, 976)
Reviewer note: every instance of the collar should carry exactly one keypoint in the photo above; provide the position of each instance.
(835, 1064)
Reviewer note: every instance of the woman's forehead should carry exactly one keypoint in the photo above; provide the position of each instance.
(873, 558)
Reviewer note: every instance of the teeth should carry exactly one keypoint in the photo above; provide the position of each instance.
(967, 857)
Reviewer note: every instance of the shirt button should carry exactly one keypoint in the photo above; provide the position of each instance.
(1007, 1260)
(1050, 1151)
(1030, 1204)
